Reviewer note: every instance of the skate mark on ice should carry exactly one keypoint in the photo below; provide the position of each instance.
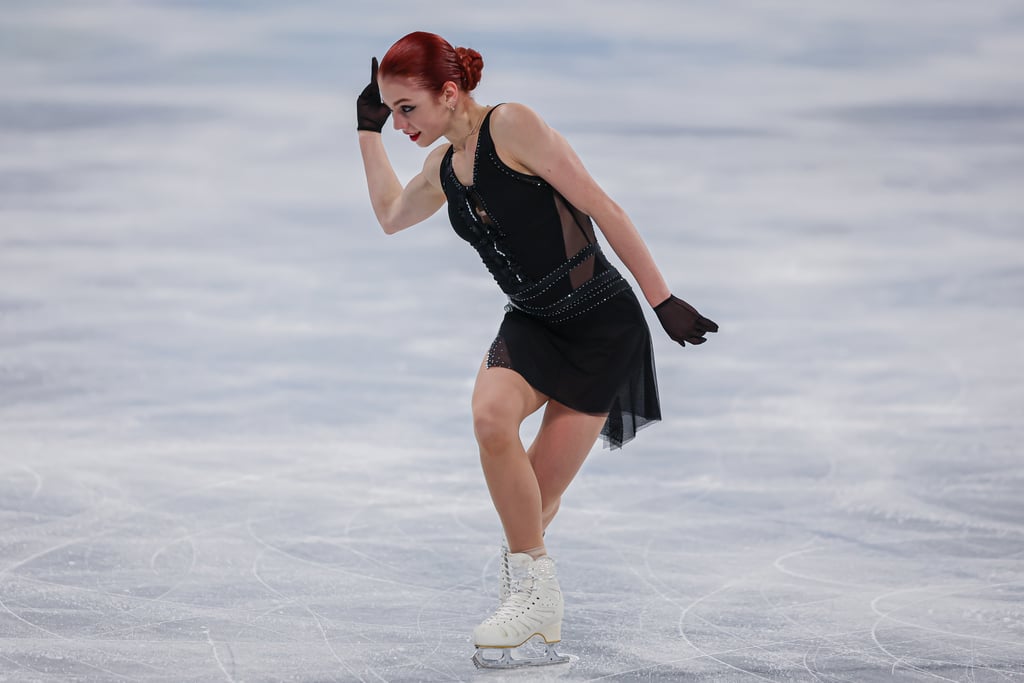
(216, 655)
(123, 513)
(37, 481)
(328, 567)
(51, 549)
(449, 672)
(286, 600)
(190, 540)
(10, 569)
(368, 558)
(887, 616)
(350, 522)
(817, 638)
(719, 653)
(318, 618)
(813, 670)
(180, 578)
(768, 648)
(35, 627)
(779, 565)
(294, 601)
(456, 513)
(489, 573)
(807, 664)
(21, 666)
(58, 636)
(174, 585)
(706, 653)
(193, 556)
(686, 610)
(815, 641)
(898, 660)
(81, 524)
(192, 611)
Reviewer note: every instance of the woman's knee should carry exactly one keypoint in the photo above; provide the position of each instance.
(494, 427)
(502, 399)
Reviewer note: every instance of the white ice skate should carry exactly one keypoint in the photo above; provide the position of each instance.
(504, 574)
(533, 608)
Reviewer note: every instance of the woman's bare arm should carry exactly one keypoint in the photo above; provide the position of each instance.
(398, 208)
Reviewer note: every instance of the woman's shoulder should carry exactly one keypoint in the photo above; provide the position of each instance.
(519, 134)
(432, 164)
(515, 118)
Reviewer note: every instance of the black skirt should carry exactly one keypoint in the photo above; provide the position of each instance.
(601, 363)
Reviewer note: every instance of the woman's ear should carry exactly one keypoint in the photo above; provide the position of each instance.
(450, 95)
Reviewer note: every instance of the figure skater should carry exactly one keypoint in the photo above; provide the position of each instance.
(573, 339)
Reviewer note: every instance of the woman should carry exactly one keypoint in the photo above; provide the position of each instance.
(573, 339)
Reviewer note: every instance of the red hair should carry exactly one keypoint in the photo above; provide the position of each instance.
(430, 61)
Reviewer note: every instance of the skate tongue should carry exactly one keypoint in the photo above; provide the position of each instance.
(519, 566)
(519, 561)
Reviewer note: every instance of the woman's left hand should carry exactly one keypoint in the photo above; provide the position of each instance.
(682, 321)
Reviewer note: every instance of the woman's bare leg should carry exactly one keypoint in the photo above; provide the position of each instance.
(562, 444)
(502, 399)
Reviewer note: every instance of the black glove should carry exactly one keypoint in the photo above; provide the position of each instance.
(682, 321)
(372, 113)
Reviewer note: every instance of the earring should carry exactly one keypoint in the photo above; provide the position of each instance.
(451, 107)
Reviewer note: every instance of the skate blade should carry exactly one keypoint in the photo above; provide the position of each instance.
(507, 661)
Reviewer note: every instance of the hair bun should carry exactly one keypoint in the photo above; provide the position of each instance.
(472, 67)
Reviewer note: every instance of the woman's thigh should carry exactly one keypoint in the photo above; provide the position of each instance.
(502, 399)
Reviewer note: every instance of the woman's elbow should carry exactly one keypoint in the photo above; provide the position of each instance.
(391, 226)
(387, 222)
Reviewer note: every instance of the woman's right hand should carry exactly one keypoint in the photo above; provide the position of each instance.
(371, 112)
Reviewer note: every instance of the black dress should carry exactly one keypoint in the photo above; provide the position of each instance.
(573, 327)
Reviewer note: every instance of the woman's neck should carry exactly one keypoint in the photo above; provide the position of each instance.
(466, 125)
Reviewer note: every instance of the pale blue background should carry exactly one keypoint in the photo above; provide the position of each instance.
(234, 428)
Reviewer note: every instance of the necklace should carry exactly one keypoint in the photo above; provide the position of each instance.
(472, 130)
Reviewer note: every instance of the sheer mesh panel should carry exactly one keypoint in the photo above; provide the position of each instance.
(577, 233)
(497, 355)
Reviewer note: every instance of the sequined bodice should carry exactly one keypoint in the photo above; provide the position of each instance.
(472, 222)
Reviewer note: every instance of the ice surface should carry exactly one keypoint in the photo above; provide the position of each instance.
(234, 430)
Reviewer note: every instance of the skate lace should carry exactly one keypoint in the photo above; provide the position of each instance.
(517, 601)
(505, 575)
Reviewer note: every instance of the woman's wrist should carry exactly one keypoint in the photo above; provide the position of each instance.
(659, 296)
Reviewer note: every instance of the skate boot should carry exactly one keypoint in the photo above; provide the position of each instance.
(533, 608)
(504, 573)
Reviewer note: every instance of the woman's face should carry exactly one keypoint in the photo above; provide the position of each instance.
(417, 112)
